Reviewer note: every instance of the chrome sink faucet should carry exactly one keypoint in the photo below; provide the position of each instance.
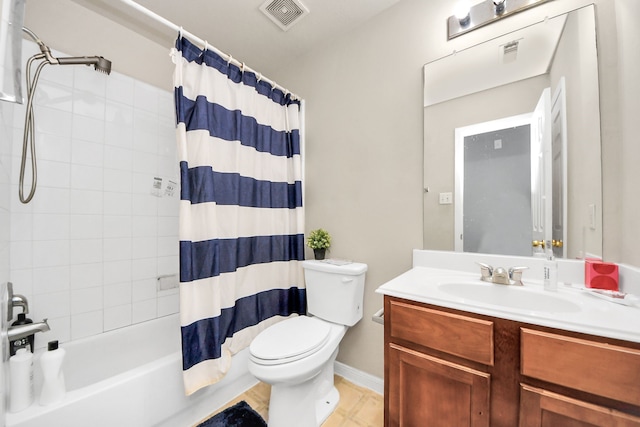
(500, 276)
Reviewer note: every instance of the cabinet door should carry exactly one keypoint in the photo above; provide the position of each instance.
(541, 408)
(425, 391)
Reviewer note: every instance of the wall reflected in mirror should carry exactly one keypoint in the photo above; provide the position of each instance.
(494, 81)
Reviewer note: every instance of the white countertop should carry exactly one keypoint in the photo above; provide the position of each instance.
(587, 314)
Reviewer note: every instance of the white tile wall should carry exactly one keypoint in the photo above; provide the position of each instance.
(88, 249)
(6, 135)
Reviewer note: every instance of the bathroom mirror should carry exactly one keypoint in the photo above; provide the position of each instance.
(489, 84)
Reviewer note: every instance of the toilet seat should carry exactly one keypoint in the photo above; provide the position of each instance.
(289, 340)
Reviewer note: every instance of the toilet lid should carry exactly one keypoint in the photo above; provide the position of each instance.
(289, 340)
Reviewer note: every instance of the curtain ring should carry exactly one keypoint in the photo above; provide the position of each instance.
(229, 60)
(259, 77)
(206, 45)
(273, 85)
(180, 32)
(242, 68)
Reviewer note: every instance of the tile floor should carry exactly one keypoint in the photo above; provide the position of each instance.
(358, 407)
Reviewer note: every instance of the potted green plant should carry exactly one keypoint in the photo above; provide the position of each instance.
(319, 240)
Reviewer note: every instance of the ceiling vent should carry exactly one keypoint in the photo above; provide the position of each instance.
(284, 13)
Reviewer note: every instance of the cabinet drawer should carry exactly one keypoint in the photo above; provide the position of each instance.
(461, 336)
(606, 370)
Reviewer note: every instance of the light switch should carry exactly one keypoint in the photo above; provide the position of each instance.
(446, 198)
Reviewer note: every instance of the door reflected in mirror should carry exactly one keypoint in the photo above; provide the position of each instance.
(493, 187)
(510, 182)
(503, 79)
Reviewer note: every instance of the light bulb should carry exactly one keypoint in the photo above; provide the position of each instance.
(462, 12)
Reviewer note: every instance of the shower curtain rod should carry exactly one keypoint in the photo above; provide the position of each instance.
(203, 43)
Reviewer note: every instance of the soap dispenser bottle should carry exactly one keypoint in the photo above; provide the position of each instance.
(25, 342)
(20, 380)
(53, 388)
(550, 270)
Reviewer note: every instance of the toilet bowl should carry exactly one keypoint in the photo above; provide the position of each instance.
(301, 375)
(296, 356)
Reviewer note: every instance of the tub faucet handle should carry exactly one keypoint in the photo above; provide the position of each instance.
(15, 300)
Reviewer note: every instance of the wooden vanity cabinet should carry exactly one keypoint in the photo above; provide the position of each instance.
(447, 368)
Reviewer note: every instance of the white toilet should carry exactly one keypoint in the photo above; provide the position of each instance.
(296, 355)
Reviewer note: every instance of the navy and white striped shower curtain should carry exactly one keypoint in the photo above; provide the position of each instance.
(241, 215)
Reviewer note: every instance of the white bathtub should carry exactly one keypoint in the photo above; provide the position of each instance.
(131, 377)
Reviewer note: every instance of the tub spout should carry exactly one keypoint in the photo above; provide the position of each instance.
(21, 331)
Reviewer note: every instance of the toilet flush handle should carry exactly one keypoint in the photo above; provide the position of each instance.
(347, 279)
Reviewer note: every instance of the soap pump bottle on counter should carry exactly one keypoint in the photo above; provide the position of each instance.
(53, 388)
(550, 269)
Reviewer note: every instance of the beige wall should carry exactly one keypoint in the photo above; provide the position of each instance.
(365, 127)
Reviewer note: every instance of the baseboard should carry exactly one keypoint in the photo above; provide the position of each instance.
(359, 377)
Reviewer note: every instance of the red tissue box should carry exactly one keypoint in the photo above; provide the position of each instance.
(600, 275)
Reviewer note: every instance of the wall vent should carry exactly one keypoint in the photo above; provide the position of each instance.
(510, 51)
(284, 13)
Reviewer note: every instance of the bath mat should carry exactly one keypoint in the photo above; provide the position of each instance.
(238, 415)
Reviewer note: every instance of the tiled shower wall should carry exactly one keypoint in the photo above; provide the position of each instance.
(6, 136)
(6, 130)
(103, 225)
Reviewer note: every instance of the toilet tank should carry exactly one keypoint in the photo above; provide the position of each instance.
(335, 290)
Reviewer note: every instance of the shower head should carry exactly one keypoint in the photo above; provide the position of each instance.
(99, 63)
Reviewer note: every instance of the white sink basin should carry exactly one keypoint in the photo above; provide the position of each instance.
(516, 297)
(570, 308)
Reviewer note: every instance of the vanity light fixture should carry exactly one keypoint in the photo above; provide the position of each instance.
(485, 13)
